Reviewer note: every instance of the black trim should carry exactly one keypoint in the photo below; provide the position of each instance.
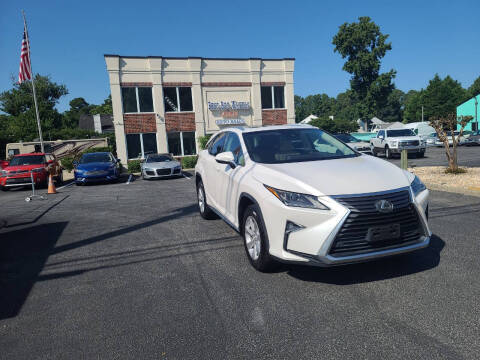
(250, 197)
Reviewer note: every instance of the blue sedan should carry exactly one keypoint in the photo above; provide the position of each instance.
(96, 167)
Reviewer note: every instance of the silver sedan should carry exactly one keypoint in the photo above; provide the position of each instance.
(160, 165)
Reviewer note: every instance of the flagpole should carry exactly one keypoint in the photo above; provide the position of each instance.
(33, 84)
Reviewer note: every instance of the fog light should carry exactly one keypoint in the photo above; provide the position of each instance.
(289, 228)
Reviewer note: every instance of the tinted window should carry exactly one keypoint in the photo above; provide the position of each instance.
(133, 146)
(28, 160)
(159, 158)
(346, 138)
(278, 97)
(145, 99)
(266, 97)
(185, 94)
(294, 145)
(129, 98)
(400, 132)
(189, 143)
(170, 98)
(233, 144)
(174, 145)
(381, 133)
(95, 157)
(217, 145)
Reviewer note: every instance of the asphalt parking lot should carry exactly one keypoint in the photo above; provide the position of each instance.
(435, 156)
(132, 271)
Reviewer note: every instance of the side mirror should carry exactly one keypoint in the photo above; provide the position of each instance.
(226, 158)
(118, 160)
(381, 137)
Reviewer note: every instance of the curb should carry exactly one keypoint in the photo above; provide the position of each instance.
(452, 189)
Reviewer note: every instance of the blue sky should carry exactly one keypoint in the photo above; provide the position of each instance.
(69, 38)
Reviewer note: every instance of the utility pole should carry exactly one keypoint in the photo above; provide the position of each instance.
(422, 113)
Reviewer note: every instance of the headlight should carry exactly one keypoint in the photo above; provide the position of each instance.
(393, 143)
(148, 169)
(3, 173)
(297, 199)
(417, 185)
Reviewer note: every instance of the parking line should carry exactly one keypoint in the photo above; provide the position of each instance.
(64, 186)
(186, 177)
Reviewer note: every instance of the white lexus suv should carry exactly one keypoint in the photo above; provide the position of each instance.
(297, 194)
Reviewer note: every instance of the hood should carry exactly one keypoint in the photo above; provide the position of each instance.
(359, 144)
(23, 167)
(404, 138)
(357, 175)
(95, 166)
(161, 165)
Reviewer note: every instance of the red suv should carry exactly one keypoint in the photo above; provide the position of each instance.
(17, 172)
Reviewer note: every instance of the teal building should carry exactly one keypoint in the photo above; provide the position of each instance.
(469, 107)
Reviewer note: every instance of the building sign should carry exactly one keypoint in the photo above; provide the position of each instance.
(230, 122)
(229, 105)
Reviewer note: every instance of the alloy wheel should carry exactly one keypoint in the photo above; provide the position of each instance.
(252, 237)
(201, 199)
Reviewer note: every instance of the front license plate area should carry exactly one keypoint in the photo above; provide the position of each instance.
(382, 233)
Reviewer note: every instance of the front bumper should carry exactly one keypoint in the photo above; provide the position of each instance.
(161, 173)
(88, 178)
(22, 180)
(410, 149)
(312, 244)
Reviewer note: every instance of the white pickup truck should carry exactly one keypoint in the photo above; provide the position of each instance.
(394, 141)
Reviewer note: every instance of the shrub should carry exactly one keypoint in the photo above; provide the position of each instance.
(134, 166)
(189, 162)
(203, 140)
(67, 163)
(97, 149)
(456, 171)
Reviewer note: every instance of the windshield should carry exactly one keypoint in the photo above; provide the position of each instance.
(294, 145)
(401, 132)
(346, 138)
(27, 160)
(158, 158)
(95, 157)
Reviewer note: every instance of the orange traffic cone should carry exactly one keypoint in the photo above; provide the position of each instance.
(51, 186)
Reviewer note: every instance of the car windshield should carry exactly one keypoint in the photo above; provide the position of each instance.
(346, 138)
(27, 160)
(159, 158)
(294, 145)
(400, 132)
(95, 157)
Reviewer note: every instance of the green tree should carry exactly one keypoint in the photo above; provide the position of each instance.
(18, 104)
(413, 106)
(393, 109)
(335, 126)
(442, 96)
(78, 106)
(474, 89)
(363, 46)
(105, 108)
(319, 105)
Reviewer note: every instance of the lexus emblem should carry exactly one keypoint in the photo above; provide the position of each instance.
(384, 206)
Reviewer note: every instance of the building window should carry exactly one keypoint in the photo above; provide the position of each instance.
(140, 145)
(181, 143)
(273, 97)
(177, 99)
(137, 99)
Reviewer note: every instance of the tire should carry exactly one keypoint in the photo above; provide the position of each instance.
(4, 188)
(59, 179)
(205, 210)
(374, 153)
(388, 153)
(255, 240)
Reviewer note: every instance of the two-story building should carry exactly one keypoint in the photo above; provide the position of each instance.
(164, 104)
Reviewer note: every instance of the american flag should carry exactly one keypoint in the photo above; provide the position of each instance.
(24, 73)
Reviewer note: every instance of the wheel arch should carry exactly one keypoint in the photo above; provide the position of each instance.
(244, 201)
